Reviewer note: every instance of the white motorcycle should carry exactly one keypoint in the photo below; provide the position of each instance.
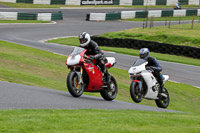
(145, 85)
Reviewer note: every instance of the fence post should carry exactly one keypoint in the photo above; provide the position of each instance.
(146, 22)
(152, 20)
(150, 23)
(166, 21)
(192, 22)
(179, 20)
(169, 22)
(143, 23)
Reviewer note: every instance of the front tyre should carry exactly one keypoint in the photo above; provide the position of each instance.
(163, 102)
(74, 88)
(135, 92)
(110, 92)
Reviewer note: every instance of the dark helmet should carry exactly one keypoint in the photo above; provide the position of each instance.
(84, 39)
(144, 53)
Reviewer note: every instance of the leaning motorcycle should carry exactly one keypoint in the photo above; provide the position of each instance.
(145, 85)
(85, 76)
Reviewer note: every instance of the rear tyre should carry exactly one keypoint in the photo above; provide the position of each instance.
(74, 88)
(110, 92)
(163, 102)
(136, 95)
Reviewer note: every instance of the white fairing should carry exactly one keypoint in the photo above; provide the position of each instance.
(136, 69)
(73, 60)
(150, 81)
(111, 60)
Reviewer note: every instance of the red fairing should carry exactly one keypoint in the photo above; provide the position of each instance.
(108, 65)
(95, 77)
(136, 81)
(81, 54)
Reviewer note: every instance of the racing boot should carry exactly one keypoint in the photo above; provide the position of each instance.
(104, 78)
(160, 81)
(162, 90)
(108, 78)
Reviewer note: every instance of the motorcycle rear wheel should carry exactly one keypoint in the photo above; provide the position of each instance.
(75, 89)
(163, 102)
(134, 92)
(110, 92)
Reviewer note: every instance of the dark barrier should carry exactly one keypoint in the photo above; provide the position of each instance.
(57, 16)
(152, 46)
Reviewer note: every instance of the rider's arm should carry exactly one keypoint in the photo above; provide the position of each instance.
(156, 64)
(98, 52)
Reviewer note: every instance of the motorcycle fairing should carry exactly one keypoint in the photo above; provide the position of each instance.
(137, 69)
(75, 57)
(73, 60)
(151, 82)
(95, 77)
(111, 62)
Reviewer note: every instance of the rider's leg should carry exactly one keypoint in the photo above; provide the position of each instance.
(159, 77)
(106, 75)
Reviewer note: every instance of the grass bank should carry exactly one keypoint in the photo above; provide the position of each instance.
(177, 34)
(23, 21)
(25, 5)
(30, 66)
(98, 121)
(164, 57)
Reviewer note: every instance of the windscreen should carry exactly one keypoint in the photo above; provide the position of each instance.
(77, 50)
(139, 62)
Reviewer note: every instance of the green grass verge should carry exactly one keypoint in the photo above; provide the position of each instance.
(177, 34)
(98, 121)
(165, 19)
(23, 21)
(30, 66)
(164, 57)
(26, 5)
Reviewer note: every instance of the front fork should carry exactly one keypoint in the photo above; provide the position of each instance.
(140, 82)
(79, 74)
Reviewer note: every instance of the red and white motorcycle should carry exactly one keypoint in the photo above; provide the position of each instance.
(145, 85)
(86, 76)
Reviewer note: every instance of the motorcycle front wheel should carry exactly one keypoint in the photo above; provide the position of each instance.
(163, 102)
(74, 88)
(110, 92)
(136, 95)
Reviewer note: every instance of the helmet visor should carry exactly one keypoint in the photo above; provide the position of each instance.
(142, 56)
(83, 40)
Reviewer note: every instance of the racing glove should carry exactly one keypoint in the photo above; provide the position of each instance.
(91, 58)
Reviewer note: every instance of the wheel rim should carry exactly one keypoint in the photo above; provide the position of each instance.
(76, 87)
(164, 100)
(112, 89)
(137, 94)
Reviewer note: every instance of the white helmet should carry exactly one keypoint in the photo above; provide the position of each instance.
(84, 39)
(144, 53)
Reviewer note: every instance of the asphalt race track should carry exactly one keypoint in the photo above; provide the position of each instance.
(17, 96)
(45, 98)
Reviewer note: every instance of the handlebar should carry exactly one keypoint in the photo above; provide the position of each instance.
(86, 59)
(85, 56)
(150, 69)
